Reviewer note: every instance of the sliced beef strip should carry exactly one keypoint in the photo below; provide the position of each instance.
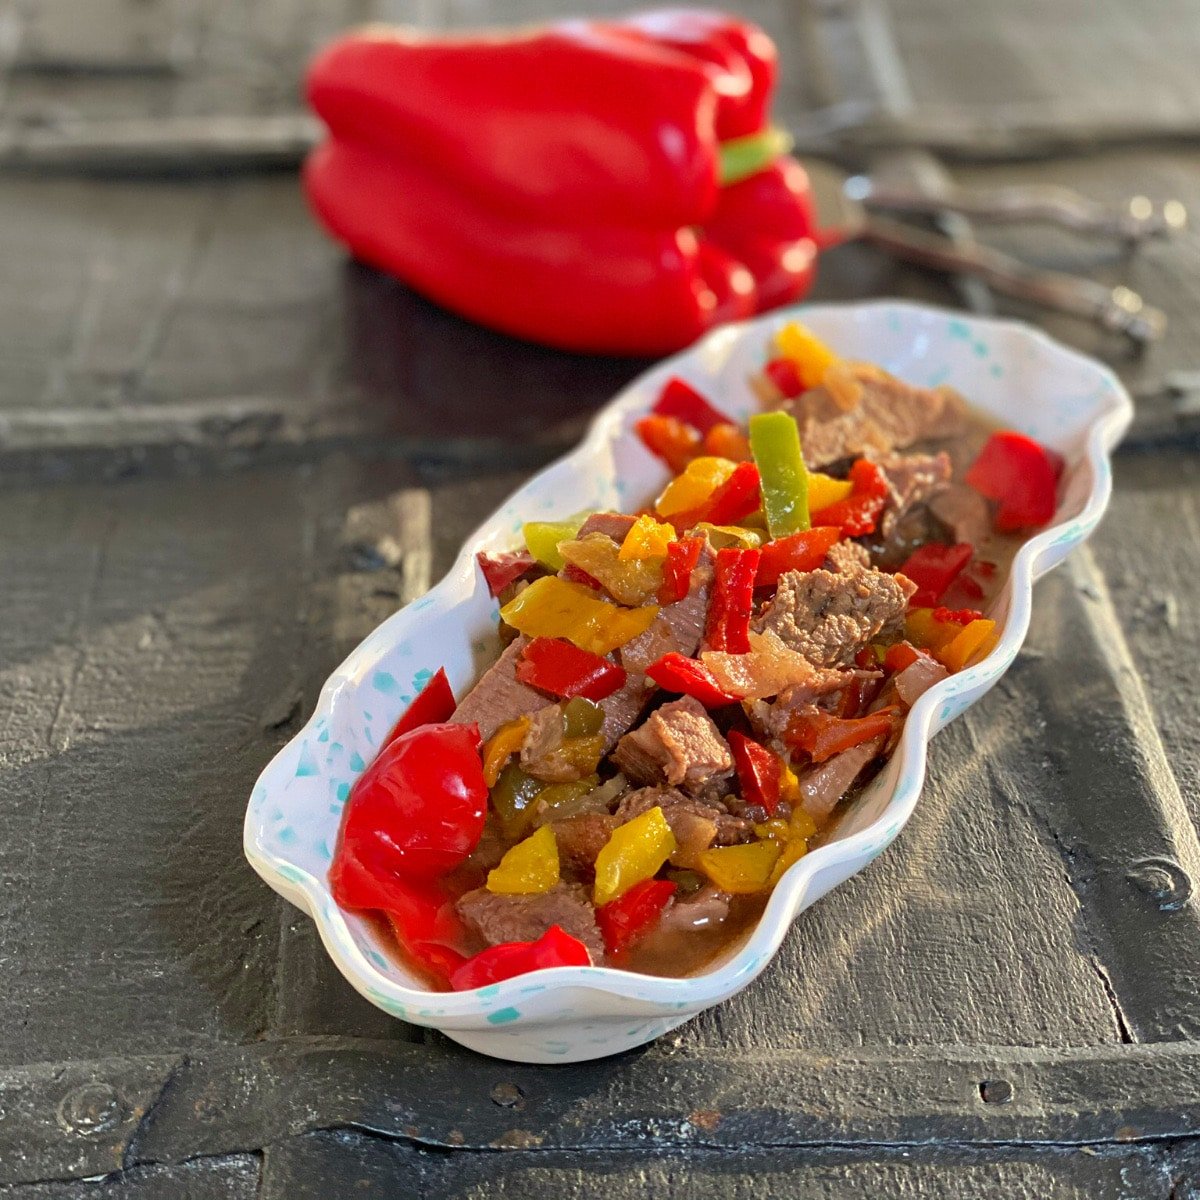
(613, 525)
(823, 785)
(581, 838)
(964, 512)
(847, 557)
(498, 919)
(913, 480)
(771, 719)
(696, 824)
(678, 744)
(829, 617)
(499, 696)
(890, 415)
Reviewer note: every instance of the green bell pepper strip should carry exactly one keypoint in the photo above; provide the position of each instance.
(542, 538)
(775, 444)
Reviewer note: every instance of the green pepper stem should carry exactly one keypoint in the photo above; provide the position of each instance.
(739, 158)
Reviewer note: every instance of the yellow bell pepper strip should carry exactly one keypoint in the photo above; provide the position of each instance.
(582, 718)
(925, 631)
(793, 851)
(776, 828)
(775, 443)
(501, 746)
(635, 851)
(741, 870)
(824, 490)
(647, 538)
(553, 607)
(975, 640)
(527, 868)
(811, 357)
(698, 481)
(801, 823)
(630, 581)
(512, 799)
(542, 538)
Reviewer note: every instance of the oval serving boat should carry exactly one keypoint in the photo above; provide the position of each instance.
(1017, 375)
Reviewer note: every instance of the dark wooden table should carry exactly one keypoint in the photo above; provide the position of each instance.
(208, 418)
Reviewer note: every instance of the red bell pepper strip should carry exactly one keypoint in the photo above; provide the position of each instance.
(499, 570)
(562, 669)
(732, 501)
(675, 673)
(433, 705)
(633, 914)
(423, 917)
(859, 513)
(785, 375)
(555, 948)
(804, 551)
(933, 568)
(824, 735)
(680, 400)
(759, 771)
(418, 809)
(682, 556)
(732, 603)
(670, 439)
(594, 188)
(1021, 475)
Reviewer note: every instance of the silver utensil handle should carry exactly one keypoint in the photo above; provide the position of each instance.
(1047, 203)
(1113, 308)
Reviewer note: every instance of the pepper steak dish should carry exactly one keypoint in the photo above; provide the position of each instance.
(688, 696)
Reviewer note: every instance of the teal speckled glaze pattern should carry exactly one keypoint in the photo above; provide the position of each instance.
(1011, 372)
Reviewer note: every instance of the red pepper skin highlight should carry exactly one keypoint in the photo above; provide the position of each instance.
(555, 948)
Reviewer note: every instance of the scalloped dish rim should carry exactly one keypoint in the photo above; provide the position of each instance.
(679, 998)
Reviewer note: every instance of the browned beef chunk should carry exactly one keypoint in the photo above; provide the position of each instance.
(696, 824)
(491, 847)
(499, 696)
(913, 480)
(542, 751)
(498, 919)
(890, 415)
(917, 678)
(964, 512)
(678, 744)
(824, 784)
(847, 557)
(702, 910)
(581, 838)
(613, 525)
(829, 617)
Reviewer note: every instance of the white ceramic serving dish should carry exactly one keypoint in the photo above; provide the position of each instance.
(1012, 372)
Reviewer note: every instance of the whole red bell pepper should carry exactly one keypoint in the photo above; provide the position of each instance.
(555, 948)
(732, 602)
(633, 914)
(562, 669)
(560, 183)
(759, 772)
